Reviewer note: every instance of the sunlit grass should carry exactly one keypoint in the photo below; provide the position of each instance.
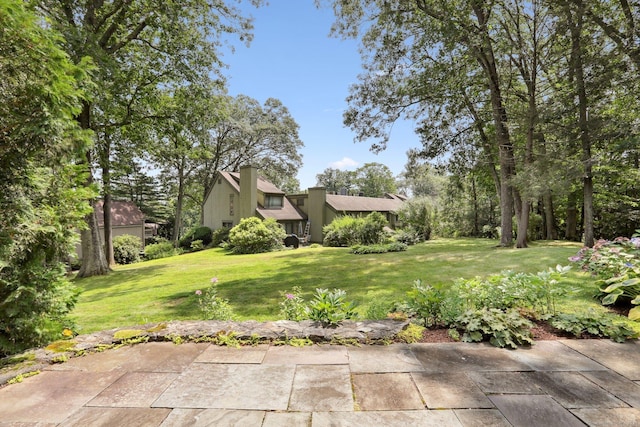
(164, 289)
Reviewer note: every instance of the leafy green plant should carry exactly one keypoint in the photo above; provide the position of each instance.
(424, 301)
(331, 307)
(220, 235)
(349, 231)
(617, 264)
(411, 334)
(254, 236)
(197, 245)
(502, 329)
(126, 249)
(159, 250)
(293, 307)
(211, 305)
(198, 233)
(598, 325)
(378, 249)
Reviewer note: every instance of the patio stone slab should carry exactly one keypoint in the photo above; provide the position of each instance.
(288, 419)
(563, 359)
(626, 390)
(258, 387)
(622, 358)
(572, 390)
(147, 357)
(218, 354)
(386, 418)
(310, 355)
(481, 418)
(107, 417)
(135, 389)
(449, 391)
(391, 358)
(212, 417)
(456, 357)
(321, 388)
(51, 396)
(618, 417)
(386, 392)
(504, 382)
(534, 411)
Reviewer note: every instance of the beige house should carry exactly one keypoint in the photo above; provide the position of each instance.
(241, 195)
(126, 218)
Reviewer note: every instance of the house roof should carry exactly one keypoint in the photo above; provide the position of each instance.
(123, 214)
(263, 185)
(363, 204)
(287, 212)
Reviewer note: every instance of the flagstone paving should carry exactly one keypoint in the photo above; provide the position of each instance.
(554, 383)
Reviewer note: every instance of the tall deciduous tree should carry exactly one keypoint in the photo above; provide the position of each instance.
(168, 43)
(402, 38)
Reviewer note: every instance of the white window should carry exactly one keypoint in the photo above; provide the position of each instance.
(273, 201)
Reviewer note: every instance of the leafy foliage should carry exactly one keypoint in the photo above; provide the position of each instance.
(617, 264)
(417, 216)
(331, 307)
(504, 329)
(378, 249)
(598, 325)
(348, 231)
(40, 199)
(293, 306)
(126, 249)
(211, 305)
(424, 301)
(254, 236)
(202, 233)
(159, 250)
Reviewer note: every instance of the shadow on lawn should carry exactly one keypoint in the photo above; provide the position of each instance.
(105, 284)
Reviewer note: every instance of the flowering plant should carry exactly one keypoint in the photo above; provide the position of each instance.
(617, 264)
(293, 307)
(211, 305)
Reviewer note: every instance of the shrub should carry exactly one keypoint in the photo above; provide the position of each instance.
(199, 233)
(424, 301)
(253, 236)
(126, 249)
(349, 231)
(418, 215)
(220, 236)
(197, 245)
(378, 249)
(159, 250)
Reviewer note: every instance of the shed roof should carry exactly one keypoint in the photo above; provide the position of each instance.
(263, 185)
(123, 213)
(287, 212)
(362, 204)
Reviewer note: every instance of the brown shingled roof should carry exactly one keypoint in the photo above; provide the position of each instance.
(362, 204)
(122, 214)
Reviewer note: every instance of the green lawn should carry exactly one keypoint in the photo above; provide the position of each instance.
(164, 289)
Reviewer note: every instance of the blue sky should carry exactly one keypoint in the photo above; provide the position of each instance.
(292, 58)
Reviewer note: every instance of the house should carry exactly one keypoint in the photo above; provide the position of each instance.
(126, 218)
(241, 195)
(234, 196)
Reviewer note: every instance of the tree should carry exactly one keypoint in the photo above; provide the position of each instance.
(160, 44)
(40, 201)
(374, 180)
(403, 38)
(336, 180)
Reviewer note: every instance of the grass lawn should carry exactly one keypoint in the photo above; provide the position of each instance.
(164, 289)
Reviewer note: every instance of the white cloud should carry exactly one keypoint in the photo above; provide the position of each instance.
(345, 163)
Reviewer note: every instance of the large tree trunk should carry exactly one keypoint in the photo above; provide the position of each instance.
(583, 122)
(571, 221)
(178, 218)
(106, 211)
(549, 216)
(485, 57)
(93, 259)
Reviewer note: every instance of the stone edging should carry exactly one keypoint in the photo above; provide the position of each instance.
(364, 332)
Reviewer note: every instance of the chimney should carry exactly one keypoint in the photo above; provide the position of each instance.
(248, 191)
(316, 212)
